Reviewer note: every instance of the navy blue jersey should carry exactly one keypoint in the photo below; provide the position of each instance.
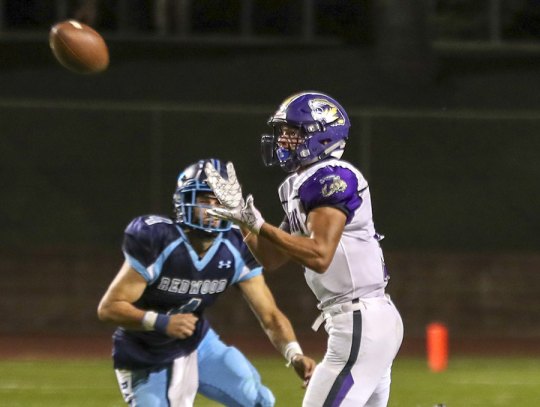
(178, 282)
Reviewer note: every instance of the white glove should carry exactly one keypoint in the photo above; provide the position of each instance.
(227, 191)
(247, 215)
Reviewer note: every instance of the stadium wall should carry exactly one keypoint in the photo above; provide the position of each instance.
(490, 295)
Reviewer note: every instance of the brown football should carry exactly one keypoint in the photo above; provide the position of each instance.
(79, 47)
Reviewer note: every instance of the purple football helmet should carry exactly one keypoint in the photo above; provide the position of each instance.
(322, 122)
(190, 182)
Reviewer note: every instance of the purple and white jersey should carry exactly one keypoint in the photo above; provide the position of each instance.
(357, 269)
(178, 282)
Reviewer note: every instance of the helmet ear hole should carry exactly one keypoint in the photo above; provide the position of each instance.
(313, 127)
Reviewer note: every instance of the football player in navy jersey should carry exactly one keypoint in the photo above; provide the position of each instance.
(328, 228)
(173, 270)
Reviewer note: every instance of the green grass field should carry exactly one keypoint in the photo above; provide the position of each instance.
(468, 382)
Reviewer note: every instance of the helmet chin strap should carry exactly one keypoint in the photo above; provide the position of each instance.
(335, 150)
(337, 153)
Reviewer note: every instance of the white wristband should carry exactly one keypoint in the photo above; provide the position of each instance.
(149, 320)
(291, 350)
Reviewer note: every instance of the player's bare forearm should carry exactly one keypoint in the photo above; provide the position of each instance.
(120, 313)
(279, 330)
(276, 325)
(117, 307)
(317, 250)
(301, 249)
(266, 253)
(281, 333)
(125, 314)
(261, 301)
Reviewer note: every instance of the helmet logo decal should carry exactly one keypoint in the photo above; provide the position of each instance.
(326, 112)
(332, 185)
(153, 219)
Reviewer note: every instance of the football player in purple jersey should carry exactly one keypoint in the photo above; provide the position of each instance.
(328, 228)
(173, 270)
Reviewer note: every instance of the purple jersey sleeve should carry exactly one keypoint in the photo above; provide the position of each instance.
(331, 186)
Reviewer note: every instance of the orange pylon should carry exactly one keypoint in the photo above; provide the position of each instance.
(437, 346)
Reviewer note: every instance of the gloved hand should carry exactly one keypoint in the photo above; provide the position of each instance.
(247, 215)
(228, 191)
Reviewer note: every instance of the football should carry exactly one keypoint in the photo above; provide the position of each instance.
(79, 47)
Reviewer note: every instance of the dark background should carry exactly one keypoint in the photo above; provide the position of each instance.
(443, 99)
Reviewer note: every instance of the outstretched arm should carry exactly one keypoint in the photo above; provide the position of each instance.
(315, 251)
(266, 253)
(276, 325)
(272, 246)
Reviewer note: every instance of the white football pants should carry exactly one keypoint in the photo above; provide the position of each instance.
(356, 368)
(175, 386)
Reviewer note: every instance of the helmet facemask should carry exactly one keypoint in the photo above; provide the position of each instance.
(191, 199)
(290, 145)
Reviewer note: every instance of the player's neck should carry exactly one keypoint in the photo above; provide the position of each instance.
(200, 241)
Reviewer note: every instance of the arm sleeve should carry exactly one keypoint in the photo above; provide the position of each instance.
(331, 186)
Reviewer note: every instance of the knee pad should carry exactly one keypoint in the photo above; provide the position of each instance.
(256, 394)
(234, 381)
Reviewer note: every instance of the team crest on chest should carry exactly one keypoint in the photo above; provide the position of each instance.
(332, 184)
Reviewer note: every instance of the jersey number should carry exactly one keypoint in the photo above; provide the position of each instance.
(153, 219)
(187, 308)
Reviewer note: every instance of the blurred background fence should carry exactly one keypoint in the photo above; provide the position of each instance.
(306, 20)
(447, 135)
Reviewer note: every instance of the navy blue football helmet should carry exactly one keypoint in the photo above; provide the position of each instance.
(191, 182)
(322, 123)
